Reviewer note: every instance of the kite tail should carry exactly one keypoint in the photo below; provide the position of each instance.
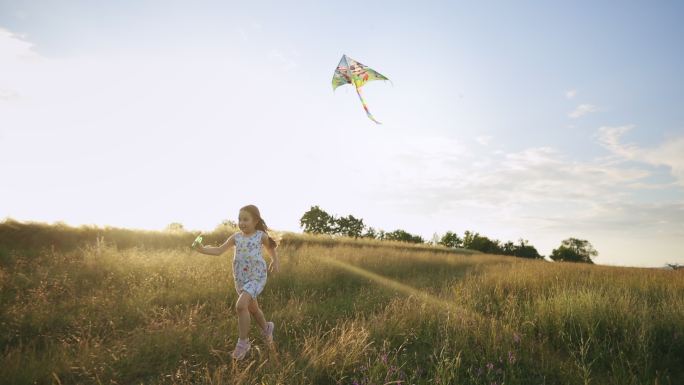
(365, 107)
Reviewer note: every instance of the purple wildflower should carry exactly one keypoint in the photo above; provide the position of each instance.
(490, 366)
(384, 358)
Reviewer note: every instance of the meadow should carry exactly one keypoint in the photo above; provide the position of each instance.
(114, 306)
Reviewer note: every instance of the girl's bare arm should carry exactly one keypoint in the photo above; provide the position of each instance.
(213, 250)
(271, 250)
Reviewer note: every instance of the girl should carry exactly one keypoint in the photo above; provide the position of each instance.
(249, 273)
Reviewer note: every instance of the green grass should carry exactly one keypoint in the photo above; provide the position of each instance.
(345, 311)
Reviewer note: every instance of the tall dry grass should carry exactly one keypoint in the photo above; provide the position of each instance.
(345, 311)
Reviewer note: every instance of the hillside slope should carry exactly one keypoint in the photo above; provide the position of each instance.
(144, 308)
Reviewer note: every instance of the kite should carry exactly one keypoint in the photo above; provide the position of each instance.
(349, 71)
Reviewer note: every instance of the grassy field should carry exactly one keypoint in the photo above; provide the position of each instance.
(137, 307)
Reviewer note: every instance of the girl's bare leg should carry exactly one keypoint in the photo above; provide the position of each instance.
(242, 308)
(257, 313)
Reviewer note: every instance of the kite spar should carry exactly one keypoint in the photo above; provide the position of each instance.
(349, 71)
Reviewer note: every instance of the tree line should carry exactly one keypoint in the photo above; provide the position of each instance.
(318, 221)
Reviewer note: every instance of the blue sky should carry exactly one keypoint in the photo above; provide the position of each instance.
(525, 119)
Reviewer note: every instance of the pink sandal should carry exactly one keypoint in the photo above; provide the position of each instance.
(241, 349)
(268, 333)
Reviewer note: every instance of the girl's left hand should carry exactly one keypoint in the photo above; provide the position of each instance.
(274, 266)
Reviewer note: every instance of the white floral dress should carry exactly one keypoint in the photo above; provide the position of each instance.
(249, 266)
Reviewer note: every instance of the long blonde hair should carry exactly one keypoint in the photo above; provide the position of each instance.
(260, 223)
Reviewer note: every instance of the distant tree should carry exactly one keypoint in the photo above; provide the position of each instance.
(381, 234)
(574, 250)
(317, 221)
(349, 226)
(175, 227)
(509, 248)
(674, 266)
(370, 233)
(468, 237)
(524, 250)
(475, 241)
(450, 239)
(401, 235)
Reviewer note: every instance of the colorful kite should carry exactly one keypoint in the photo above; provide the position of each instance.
(349, 71)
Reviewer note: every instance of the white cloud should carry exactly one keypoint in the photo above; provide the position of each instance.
(539, 193)
(484, 139)
(570, 94)
(609, 137)
(670, 153)
(533, 175)
(582, 110)
(14, 47)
